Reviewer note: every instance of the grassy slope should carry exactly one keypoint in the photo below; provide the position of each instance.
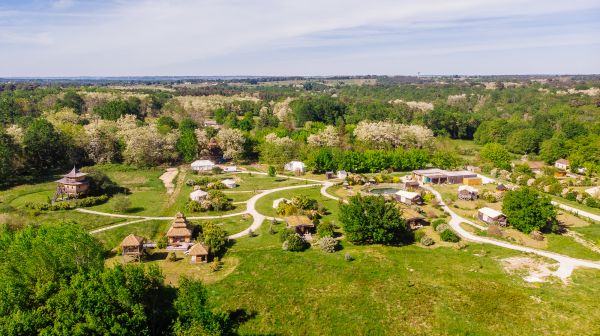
(406, 290)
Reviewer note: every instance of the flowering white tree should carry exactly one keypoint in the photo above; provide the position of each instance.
(16, 133)
(103, 144)
(385, 134)
(327, 138)
(231, 141)
(145, 146)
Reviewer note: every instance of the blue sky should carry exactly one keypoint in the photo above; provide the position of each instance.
(309, 37)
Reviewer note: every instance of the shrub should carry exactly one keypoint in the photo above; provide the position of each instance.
(272, 172)
(419, 235)
(449, 236)
(91, 201)
(427, 241)
(121, 203)
(215, 265)
(442, 227)
(285, 234)
(217, 170)
(437, 223)
(592, 202)
(326, 229)
(328, 244)
(162, 243)
(348, 257)
(294, 243)
(171, 257)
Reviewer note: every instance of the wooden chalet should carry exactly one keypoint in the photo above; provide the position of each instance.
(180, 231)
(133, 247)
(491, 216)
(72, 185)
(301, 224)
(414, 219)
(199, 253)
(408, 197)
(467, 193)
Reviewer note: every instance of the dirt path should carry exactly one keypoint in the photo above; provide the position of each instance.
(167, 178)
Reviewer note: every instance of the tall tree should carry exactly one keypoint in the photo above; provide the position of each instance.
(527, 210)
(43, 147)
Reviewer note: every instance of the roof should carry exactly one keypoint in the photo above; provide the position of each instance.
(74, 173)
(298, 220)
(68, 181)
(407, 194)
(180, 221)
(467, 188)
(200, 163)
(429, 171)
(536, 164)
(132, 240)
(198, 249)
(228, 181)
(296, 163)
(461, 173)
(491, 212)
(179, 232)
(501, 187)
(411, 214)
(562, 161)
(593, 191)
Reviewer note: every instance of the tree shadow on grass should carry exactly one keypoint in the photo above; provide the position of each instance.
(135, 210)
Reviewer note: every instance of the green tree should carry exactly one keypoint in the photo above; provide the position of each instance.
(553, 149)
(496, 154)
(9, 109)
(121, 203)
(72, 99)
(187, 145)
(527, 210)
(215, 237)
(272, 171)
(524, 141)
(166, 124)
(8, 151)
(42, 147)
(372, 220)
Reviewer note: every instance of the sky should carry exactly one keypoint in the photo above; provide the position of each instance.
(44, 38)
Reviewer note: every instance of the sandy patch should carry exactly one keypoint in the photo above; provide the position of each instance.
(535, 270)
(167, 178)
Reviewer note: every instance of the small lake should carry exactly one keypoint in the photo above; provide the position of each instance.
(383, 191)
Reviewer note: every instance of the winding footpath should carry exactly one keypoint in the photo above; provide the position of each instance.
(566, 264)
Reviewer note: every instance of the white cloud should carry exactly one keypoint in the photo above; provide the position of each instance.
(151, 37)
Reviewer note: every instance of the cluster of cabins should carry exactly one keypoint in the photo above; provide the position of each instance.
(179, 238)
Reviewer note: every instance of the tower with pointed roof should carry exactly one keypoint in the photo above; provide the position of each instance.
(72, 185)
(180, 231)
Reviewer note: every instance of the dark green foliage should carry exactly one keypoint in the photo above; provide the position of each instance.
(68, 205)
(114, 109)
(437, 222)
(285, 234)
(100, 183)
(449, 236)
(72, 99)
(272, 171)
(9, 109)
(188, 124)
(553, 149)
(370, 161)
(166, 124)
(524, 141)
(41, 144)
(446, 160)
(8, 154)
(187, 145)
(451, 121)
(325, 109)
(527, 210)
(371, 220)
(497, 155)
(326, 229)
(294, 243)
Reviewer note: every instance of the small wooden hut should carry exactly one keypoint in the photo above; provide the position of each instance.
(180, 231)
(414, 219)
(199, 253)
(301, 224)
(133, 247)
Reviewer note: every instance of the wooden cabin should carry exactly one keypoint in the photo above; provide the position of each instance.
(408, 197)
(133, 247)
(301, 224)
(199, 253)
(72, 185)
(491, 216)
(180, 231)
(467, 193)
(414, 219)
(410, 185)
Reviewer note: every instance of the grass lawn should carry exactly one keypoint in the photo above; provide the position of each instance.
(265, 204)
(398, 290)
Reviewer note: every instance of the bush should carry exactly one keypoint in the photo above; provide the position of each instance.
(217, 170)
(326, 229)
(272, 172)
(171, 257)
(437, 223)
(348, 257)
(286, 234)
(328, 244)
(419, 235)
(449, 236)
(121, 203)
(162, 243)
(91, 201)
(294, 243)
(215, 265)
(427, 241)
(592, 202)
(442, 227)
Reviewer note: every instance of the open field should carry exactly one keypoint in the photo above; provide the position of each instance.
(265, 204)
(405, 290)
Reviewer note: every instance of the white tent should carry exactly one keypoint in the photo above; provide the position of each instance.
(229, 183)
(202, 165)
(198, 195)
(295, 166)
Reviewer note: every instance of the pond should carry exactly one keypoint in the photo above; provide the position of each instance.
(383, 191)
